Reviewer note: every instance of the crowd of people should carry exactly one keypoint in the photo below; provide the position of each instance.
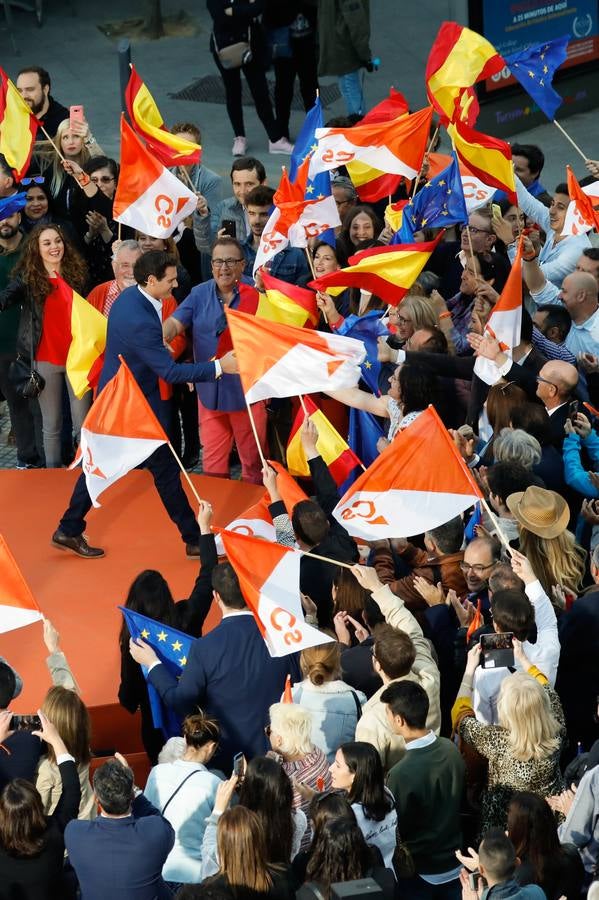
(443, 744)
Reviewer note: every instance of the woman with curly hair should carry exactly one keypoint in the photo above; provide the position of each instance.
(44, 334)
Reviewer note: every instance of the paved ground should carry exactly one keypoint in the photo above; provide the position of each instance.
(84, 68)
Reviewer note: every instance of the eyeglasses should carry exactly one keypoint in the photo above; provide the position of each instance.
(477, 568)
(226, 263)
(33, 179)
(403, 321)
(474, 230)
(102, 179)
(545, 381)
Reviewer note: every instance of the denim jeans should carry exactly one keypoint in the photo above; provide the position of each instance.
(350, 86)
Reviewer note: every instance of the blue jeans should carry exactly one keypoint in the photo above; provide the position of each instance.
(418, 889)
(350, 86)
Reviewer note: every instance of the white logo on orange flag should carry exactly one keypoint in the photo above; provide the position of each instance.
(417, 483)
(17, 604)
(269, 579)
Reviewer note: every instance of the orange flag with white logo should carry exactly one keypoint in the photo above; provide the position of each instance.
(119, 432)
(17, 604)
(148, 197)
(418, 482)
(269, 580)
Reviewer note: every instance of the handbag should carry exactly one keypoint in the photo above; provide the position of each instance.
(234, 55)
(27, 381)
(403, 861)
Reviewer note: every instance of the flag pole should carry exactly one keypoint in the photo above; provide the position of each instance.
(327, 559)
(185, 473)
(52, 142)
(302, 401)
(568, 138)
(183, 172)
(503, 539)
(255, 430)
(428, 150)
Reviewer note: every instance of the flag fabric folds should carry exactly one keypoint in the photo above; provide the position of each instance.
(418, 482)
(88, 340)
(304, 147)
(11, 205)
(367, 328)
(18, 606)
(172, 648)
(584, 214)
(389, 272)
(18, 127)
(535, 67)
(119, 432)
(339, 457)
(486, 157)
(438, 204)
(458, 59)
(145, 117)
(372, 184)
(505, 321)
(396, 147)
(148, 197)
(269, 580)
(287, 303)
(282, 361)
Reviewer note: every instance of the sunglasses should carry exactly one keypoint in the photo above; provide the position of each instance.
(103, 179)
(33, 179)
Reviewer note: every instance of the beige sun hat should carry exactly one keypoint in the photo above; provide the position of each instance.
(543, 512)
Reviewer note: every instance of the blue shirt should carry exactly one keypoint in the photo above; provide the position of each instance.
(204, 312)
(289, 265)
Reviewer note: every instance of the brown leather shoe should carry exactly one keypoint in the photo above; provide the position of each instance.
(192, 551)
(77, 545)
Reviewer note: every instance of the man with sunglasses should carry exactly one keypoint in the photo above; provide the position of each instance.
(449, 258)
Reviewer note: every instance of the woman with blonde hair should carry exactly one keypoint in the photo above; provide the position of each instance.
(75, 148)
(413, 312)
(334, 706)
(554, 555)
(523, 749)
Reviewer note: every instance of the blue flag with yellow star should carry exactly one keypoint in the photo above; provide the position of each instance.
(440, 202)
(367, 328)
(172, 648)
(534, 68)
(305, 144)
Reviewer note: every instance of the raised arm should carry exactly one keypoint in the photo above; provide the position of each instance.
(362, 400)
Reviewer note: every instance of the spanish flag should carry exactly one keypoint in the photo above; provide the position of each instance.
(287, 303)
(18, 127)
(388, 272)
(372, 184)
(146, 120)
(486, 157)
(458, 59)
(336, 453)
(88, 340)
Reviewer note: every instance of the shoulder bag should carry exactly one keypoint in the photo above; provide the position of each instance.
(27, 381)
(176, 791)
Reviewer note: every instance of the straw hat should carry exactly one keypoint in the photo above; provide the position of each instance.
(543, 512)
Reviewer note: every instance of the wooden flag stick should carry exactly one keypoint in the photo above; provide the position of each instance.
(428, 150)
(302, 401)
(52, 142)
(497, 526)
(118, 232)
(255, 430)
(327, 559)
(568, 138)
(185, 473)
(184, 176)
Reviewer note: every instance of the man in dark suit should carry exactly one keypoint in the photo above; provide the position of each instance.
(135, 333)
(121, 853)
(230, 675)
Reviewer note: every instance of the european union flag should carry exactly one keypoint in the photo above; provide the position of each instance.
(172, 648)
(364, 432)
(305, 144)
(438, 204)
(367, 328)
(11, 205)
(474, 520)
(535, 67)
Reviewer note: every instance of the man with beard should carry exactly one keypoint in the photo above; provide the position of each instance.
(33, 84)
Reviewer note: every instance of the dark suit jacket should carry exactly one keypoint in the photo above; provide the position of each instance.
(356, 668)
(135, 332)
(121, 859)
(231, 676)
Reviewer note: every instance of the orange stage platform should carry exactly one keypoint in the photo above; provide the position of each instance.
(80, 596)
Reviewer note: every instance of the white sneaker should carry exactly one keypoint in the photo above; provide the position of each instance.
(239, 146)
(280, 146)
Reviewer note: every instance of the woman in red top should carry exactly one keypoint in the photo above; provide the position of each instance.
(45, 324)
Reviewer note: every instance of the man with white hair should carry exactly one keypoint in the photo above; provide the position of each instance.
(124, 257)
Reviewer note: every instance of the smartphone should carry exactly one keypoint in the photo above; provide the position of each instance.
(497, 650)
(25, 723)
(473, 880)
(229, 227)
(76, 114)
(572, 409)
(239, 765)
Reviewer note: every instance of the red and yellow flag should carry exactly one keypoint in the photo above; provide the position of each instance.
(287, 303)
(88, 340)
(18, 127)
(145, 117)
(486, 157)
(458, 59)
(373, 184)
(336, 453)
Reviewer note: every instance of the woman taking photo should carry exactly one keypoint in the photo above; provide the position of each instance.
(32, 844)
(44, 334)
(75, 147)
(184, 792)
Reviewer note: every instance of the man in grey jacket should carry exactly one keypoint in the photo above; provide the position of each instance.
(246, 174)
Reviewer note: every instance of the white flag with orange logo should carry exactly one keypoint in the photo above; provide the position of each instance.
(148, 197)
(269, 580)
(119, 432)
(282, 361)
(505, 322)
(418, 482)
(17, 604)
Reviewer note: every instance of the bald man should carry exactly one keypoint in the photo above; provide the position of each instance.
(556, 384)
(579, 294)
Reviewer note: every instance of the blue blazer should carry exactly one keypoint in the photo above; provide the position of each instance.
(135, 332)
(121, 858)
(230, 675)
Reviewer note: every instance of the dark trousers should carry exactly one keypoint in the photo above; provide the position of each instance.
(25, 420)
(256, 79)
(303, 63)
(418, 889)
(166, 475)
(185, 404)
